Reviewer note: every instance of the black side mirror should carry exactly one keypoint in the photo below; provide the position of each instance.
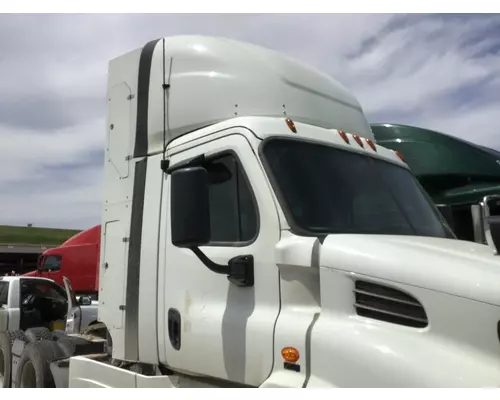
(39, 263)
(190, 207)
(85, 301)
(491, 205)
(190, 218)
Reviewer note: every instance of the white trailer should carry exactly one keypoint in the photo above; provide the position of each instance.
(254, 235)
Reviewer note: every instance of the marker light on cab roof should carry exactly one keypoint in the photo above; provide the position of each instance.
(371, 144)
(343, 136)
(291, 125)
(358, 140)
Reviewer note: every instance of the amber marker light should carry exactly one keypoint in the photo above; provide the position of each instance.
(290, 354)
(344, 136)
(400, 155)
(358, 140)
(291, 125)
(371, 144)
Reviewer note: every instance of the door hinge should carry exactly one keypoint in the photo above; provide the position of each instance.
(130, 97)
(128, 158)
(125, 240)
(122, 307)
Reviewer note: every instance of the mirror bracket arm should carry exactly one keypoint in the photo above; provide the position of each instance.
(239, 271)
(214, 267)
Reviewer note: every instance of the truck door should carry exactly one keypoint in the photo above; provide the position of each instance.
(74, 313)
(212, 327)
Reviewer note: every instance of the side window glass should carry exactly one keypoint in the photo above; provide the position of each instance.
(4, 293)
(53, 263)
(50, 291)
(233, 215)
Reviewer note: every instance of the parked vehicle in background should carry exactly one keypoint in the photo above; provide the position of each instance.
(32, 309)
(77, 259)
(456, 173)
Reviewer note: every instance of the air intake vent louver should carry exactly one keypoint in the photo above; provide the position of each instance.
(389, 305)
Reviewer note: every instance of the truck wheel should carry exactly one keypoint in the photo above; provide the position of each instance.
(5, 359)
(17, 334)
(37, 334)
(33, 370)
(6, 340)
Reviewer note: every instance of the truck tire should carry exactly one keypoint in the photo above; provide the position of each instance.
(33, 370)
(5, 359)
(36, 334)
(17, 334)
(6, 340)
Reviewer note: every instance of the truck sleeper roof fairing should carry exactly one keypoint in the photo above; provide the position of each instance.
(183, 83)
(87, 236)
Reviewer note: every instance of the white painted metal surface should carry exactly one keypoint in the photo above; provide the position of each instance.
(214, 79)
(304, 287)
(88, 373)
(315, 292)
(112, 282)
(223, 321)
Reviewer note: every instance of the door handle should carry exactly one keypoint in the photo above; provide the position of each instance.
(174, 328)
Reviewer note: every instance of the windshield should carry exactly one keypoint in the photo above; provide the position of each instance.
(327, 190)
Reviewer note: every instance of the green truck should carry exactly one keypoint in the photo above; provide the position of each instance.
(455, 173)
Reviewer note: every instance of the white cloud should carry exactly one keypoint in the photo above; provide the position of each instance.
(416, 65)
(26, 154)
(439, 72)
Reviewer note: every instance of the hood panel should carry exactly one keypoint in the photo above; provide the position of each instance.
(456, 267)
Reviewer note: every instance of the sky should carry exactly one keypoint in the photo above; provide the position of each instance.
(434, 71)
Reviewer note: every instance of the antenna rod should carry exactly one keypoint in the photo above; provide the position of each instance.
(165, 87)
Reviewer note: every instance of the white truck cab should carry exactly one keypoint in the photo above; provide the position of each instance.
(255, 235)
